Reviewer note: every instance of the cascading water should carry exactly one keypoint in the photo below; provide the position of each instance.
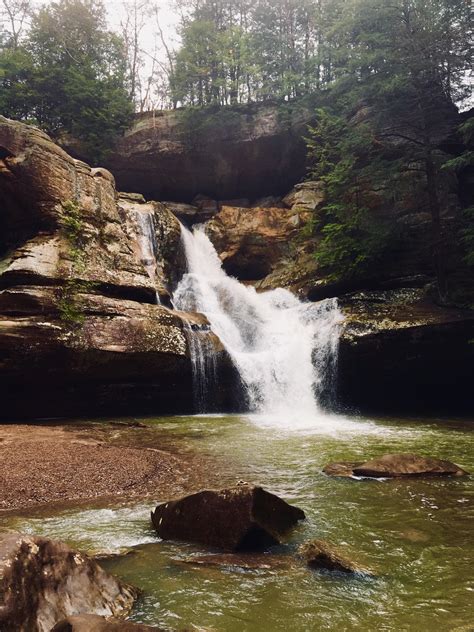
(204, 367)
(146, 240)
(284, 349)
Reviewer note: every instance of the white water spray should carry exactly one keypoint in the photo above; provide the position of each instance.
(284, 349)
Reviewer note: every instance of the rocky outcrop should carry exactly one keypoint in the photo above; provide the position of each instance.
(401, 352)
(94, 623)
(247, 151)
(43, 581)
(252, 241)
(323, 555)
(396, 465)
(79, 327)
(239, 518)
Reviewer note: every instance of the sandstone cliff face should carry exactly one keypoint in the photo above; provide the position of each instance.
(79, 328)
(245, 152)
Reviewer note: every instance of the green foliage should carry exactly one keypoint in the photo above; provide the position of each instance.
(72, 222)
(68, 75)
(67, 299)
(344, 158)
(70, 311)
(467, 235)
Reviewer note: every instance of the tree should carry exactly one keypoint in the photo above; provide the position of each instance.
(347, 160)
(403, 62)
(80, 72)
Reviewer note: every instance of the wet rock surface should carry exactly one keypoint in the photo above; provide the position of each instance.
(95, 623)
(341, 468)
(239, 518)
(401, 352)
(44, 581)
(394, 466)
(324, 555)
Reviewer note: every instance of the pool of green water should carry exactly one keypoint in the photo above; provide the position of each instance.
(416, 534)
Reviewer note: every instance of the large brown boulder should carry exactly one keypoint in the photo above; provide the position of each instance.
(395, 465)
(95, 623)
(239, 518)
(43, 581)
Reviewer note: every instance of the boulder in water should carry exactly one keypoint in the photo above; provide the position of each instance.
(393, 465)
(43, 581)
(244, 517)
(95, 623)
(322, 554)
(396, 465)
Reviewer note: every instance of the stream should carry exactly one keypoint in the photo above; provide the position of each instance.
(416, 534)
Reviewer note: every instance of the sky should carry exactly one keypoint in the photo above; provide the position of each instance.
(149, 42)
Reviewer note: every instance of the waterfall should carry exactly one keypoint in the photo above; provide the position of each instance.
(204, 366)
(146, 239)
(284, 349)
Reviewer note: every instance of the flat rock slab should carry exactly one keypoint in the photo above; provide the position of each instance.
(395, 465)
(239, 518)
(43, 581)
(246, 561)
(95, 623)
(323, 555)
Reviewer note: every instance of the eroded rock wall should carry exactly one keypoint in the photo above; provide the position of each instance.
(249, 151)
(80, 332)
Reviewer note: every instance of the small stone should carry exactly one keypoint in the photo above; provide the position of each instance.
(322, 554)
(341, 468)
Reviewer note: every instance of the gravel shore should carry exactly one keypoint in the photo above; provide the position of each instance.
(42, 464)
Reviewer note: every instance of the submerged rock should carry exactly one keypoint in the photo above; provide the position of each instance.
(95, 623)
(395, 465)
(43, 581)
(246, 561)
(322, 554)
(239, 518)
(341, 468)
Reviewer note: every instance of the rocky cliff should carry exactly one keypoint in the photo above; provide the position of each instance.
(83, 268)
(243, 151)
(79, 328)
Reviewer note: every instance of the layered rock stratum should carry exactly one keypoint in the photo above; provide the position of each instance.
(80, 332)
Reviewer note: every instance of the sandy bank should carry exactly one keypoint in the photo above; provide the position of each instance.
(42, 464)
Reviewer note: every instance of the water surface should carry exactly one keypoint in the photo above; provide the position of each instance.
(416, 534)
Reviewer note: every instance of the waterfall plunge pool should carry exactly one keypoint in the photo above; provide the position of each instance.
(416, 533)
